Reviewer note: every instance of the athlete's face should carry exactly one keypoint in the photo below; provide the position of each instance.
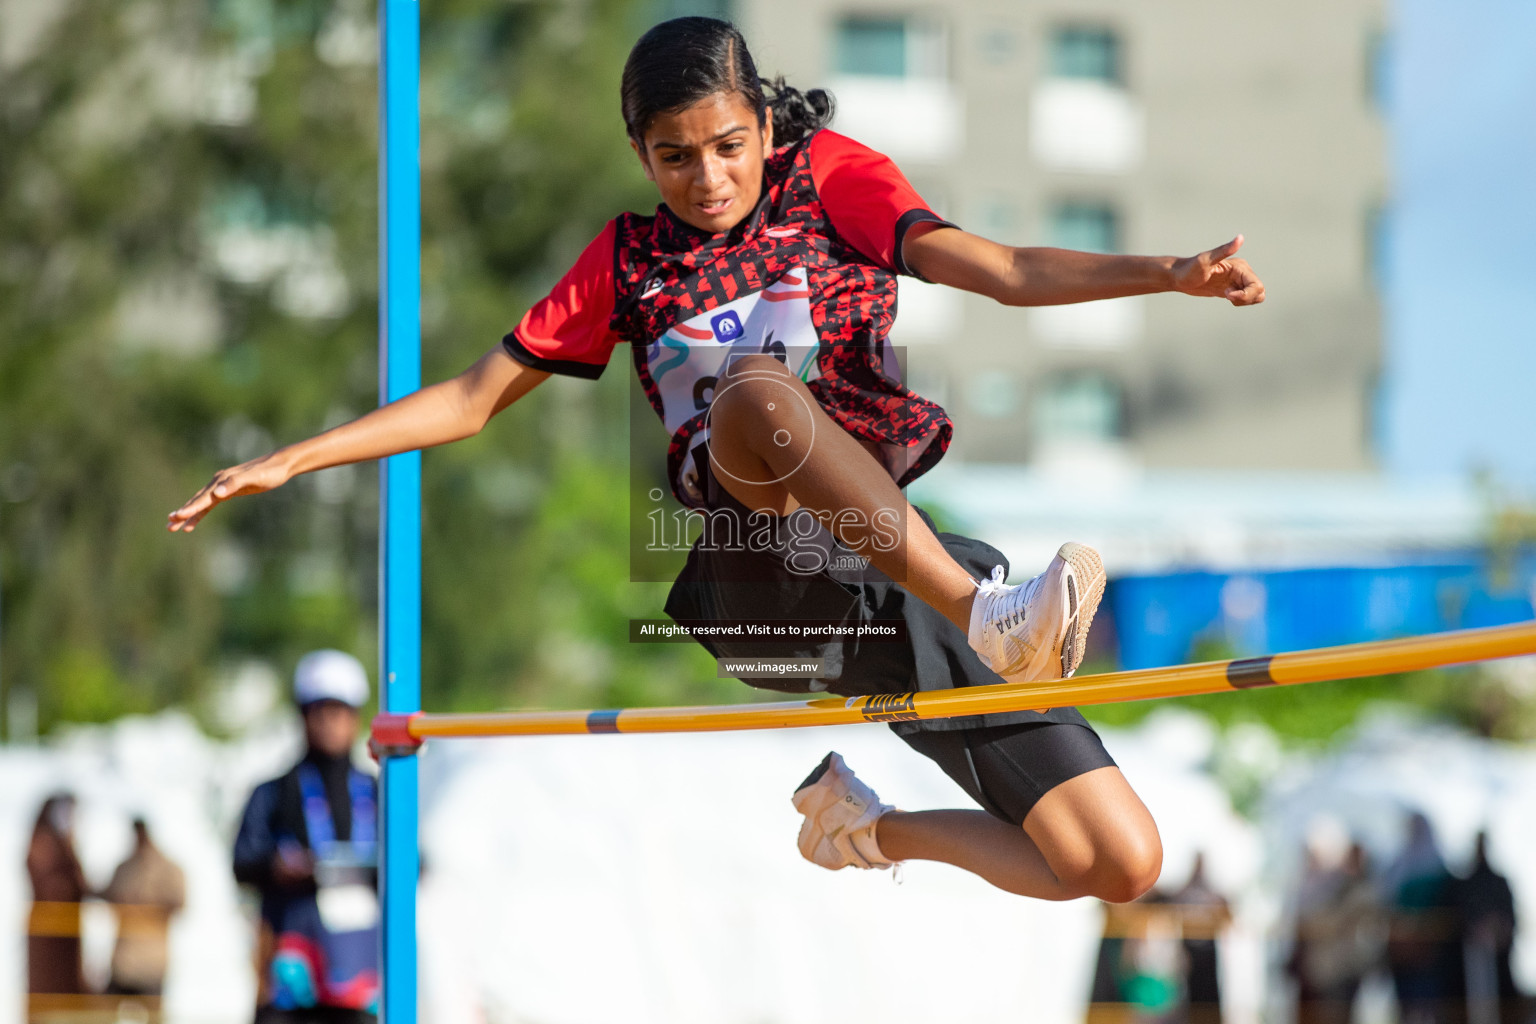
(707, 160)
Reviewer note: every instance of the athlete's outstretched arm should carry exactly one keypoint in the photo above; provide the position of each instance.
(1048, 277)
(449, 411)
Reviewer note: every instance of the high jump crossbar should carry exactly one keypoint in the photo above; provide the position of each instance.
(404, 732)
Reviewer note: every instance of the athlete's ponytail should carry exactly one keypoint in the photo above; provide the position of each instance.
(796, 114)
(679, 62)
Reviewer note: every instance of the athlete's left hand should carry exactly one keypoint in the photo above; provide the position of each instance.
(1220, 274)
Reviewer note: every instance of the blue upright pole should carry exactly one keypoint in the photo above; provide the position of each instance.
(400, 486)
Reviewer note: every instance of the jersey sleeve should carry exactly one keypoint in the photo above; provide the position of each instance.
(567, 331)
(867, 198)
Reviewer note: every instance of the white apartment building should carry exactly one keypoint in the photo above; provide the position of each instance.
(1125, 126)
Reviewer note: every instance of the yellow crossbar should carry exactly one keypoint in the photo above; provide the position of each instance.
(398, 733)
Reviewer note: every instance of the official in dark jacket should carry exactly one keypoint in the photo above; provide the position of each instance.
(308, 843)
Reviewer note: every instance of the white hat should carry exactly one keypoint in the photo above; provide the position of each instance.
(330, 675)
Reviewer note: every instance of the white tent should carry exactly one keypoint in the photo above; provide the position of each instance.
(655, 878)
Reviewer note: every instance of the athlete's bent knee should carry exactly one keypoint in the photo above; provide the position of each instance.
(752, 396)
(1128, 872)
(1116, 869)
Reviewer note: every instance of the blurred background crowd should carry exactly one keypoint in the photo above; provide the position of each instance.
(188, 277)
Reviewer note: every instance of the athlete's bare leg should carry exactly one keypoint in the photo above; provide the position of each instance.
(1089, 836)
(774, 448)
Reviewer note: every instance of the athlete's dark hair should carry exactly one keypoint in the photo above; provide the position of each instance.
(679, 62)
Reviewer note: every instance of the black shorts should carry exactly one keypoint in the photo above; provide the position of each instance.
(1002, 759)
(1008, 768)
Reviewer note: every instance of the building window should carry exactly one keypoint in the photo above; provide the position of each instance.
(872, 46)
(1084, 226)
(889, 47)
(1378, 68)
(995, 217)
(997, 46)
(993, 394)
(1084, 52)
(1083, 405)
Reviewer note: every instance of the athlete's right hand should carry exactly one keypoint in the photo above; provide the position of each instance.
(252, 477)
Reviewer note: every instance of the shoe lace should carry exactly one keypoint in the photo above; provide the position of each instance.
(1009, 603)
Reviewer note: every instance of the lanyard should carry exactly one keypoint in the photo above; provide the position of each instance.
(317, 812)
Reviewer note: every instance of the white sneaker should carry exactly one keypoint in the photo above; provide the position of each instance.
(840, 816)
(1037, 631)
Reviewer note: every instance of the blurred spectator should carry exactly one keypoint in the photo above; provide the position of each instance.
(1488, 916)
(1203, 914)
(1155, 961)
(1424, 933)
(1140, 964)
(1107, 999)
(146, 890)
(1340, 938)
(1313, 894)
(1107, 1002)
(58, 886)
(307, 842)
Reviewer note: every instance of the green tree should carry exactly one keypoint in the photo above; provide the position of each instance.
(188, 277)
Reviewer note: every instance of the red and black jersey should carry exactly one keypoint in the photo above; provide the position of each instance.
(809, 277)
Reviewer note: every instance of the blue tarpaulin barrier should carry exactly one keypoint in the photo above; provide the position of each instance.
(1167, 619)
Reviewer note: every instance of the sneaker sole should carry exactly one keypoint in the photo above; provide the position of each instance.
(1083, 586)
(817, 772)
(811, 801)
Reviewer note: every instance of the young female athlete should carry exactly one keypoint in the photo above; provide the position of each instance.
(756, 302)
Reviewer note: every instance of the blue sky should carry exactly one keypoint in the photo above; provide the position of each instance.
(1460, 372)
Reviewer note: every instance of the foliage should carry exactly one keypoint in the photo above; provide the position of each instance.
(1310, 714)
(188, 277)
(1496, 700)
(1509, 534)
(92, 431)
